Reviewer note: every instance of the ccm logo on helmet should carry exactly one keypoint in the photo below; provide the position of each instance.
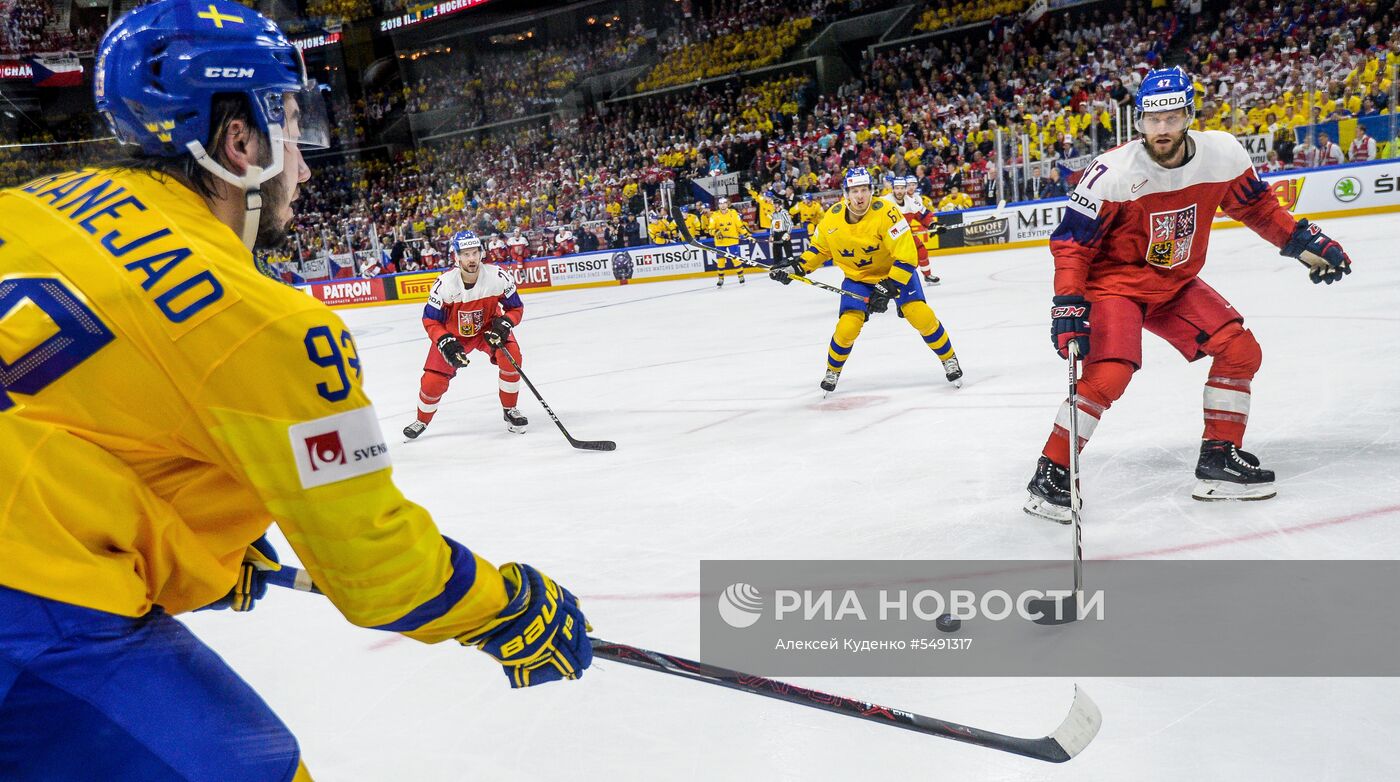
(228, 73)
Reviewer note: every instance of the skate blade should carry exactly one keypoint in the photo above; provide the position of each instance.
(1217, 491)
(956, 383)
(1040, 508)
(515, 429)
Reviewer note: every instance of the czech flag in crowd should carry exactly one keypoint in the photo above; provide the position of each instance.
(57, 71)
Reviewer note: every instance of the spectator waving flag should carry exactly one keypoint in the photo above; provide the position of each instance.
(57, 71)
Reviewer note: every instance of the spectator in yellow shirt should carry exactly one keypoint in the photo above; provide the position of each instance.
(955, 200)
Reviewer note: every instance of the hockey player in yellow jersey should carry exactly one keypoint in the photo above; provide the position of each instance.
(872, 244)
(161, 403)
(809, 212)
(693, 226)
(727, 228)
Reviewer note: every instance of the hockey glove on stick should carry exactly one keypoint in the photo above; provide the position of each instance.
(452, 351)
(259, 561)
(785, 272)
(499, 330)
(541, 635)
(1069, 320)
(882, 292)
(1326, 260)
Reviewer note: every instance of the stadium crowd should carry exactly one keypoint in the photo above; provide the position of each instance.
(507, 82)
(931, 111)
(25, 29)
(1052, 93)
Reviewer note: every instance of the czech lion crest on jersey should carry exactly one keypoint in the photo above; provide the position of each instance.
(469, 322)
(1170, 235)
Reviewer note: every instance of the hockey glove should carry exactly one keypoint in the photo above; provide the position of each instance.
(784, 272)
(541, 635)
(499, 330)
(452, 351)
(881, 293)
(1069, 321)
(1326, 260)
(258, 561)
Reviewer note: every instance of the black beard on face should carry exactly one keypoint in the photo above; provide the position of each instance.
(271, 235)
(1163, 158)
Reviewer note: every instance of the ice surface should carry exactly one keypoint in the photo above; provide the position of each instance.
(726, 449)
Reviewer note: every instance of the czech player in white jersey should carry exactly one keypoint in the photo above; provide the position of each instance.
(1129, 251)
(473, 306)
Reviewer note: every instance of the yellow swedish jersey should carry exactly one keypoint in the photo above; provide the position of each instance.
(161, 403)
(726, 226)
(765, 209)
(876, 246)
(810, 212)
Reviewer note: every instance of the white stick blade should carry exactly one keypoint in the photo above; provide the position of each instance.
(1081, 726)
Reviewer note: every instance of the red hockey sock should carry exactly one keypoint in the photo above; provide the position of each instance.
(509, 382)
(430, 390)
(1101, 385)
(1226, 396)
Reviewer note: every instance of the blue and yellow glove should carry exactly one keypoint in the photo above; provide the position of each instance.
(258, 561)
(541, 635)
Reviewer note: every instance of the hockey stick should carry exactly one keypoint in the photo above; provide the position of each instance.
(1062, 610)
(940, 228)
(1068, 740)
(586, 445)
(688, 239)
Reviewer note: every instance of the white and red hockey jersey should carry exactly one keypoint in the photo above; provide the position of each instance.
(915, 211)
(564, 243)
(466, 311)
(496, 250)
(519, 247)
(1137, 230)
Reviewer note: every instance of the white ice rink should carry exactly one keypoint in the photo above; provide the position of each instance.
(726, 449)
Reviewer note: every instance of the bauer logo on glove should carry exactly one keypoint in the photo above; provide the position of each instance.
(541, 635)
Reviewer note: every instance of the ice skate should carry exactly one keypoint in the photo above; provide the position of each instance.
(829, 381)
(515, 422)
(414, 429)
(1224, 472)
(1049, 492)
(953, 371)
(931, 280)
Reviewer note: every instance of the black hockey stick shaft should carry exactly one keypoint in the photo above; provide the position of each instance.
(1061, 610)
(1068, 740)
(586, 445)
(1074, 498)
(689, 239)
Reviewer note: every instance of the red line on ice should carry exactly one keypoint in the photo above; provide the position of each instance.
(1146, 554)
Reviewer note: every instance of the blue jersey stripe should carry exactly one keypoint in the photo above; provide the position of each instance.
(457, 586)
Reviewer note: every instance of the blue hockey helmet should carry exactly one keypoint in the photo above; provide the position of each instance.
(857, 176)
(464, 240)
(159, 67)
(1166, 89)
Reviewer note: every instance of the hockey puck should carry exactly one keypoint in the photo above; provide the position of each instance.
(948, 623)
